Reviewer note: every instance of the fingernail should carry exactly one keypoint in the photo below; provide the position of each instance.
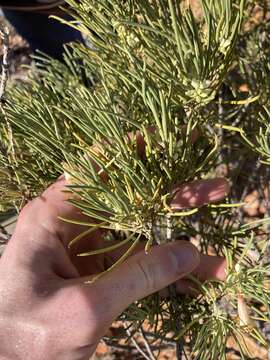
(221, 190)
(185, 257)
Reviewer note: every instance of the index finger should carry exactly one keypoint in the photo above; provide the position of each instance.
(44, 213)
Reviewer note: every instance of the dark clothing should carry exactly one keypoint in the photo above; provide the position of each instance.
(42, 33)
(30, 4)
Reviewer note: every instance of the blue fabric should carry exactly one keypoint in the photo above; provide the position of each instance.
(42, 33)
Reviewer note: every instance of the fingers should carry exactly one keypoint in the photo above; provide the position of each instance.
(186, 287)
(195, 194)
(43, 214)
(199, 193)
(53, 203)
(151, 130)
(40, 238)
(144, 274)
(140, 143)
(211, 267)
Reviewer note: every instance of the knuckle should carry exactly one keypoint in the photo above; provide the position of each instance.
(93, 303)
(146, 273)
(28, 210)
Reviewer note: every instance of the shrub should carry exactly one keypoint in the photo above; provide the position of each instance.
(162, 69)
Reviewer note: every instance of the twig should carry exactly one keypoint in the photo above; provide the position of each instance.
(167, 342)
(147, 346)
(220, 119)
(175, 311)
(173, 294)
(137, 346)
(4, 33)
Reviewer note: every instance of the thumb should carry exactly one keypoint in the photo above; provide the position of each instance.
(144, 274)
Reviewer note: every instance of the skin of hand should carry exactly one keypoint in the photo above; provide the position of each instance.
(48, 312)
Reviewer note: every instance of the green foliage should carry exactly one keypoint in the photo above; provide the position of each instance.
(155, 71)
(20, 182)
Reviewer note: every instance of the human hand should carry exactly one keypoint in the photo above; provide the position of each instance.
(46, 309)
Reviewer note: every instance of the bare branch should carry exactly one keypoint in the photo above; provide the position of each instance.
(4, 33)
